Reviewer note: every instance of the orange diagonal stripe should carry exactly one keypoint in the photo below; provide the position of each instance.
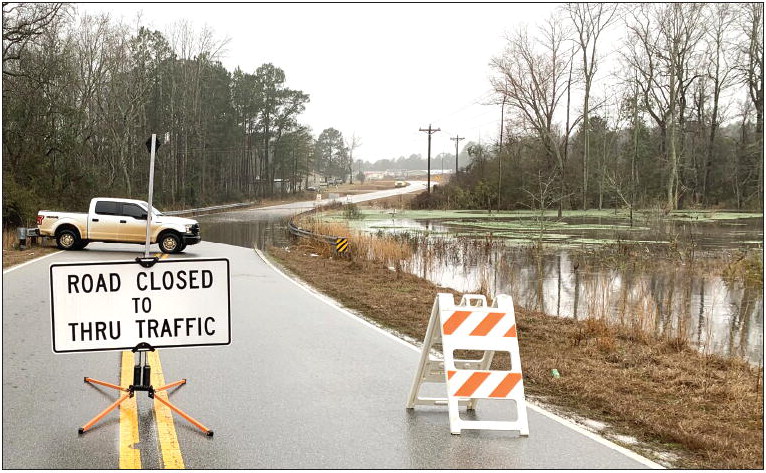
(472, 384)
(488, 324)
(511, 332)
(455, 320)
(506, 385)
(450, 374)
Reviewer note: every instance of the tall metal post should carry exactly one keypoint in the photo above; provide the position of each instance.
(151, 192)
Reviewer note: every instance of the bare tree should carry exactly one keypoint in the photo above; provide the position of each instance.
(661, 47)
(589, 21)
(719, 72)
(751, 71)
(352, 144)
(532, 74)
(24, 23)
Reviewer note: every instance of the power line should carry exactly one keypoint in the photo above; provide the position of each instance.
(430, 132)
(476, 101)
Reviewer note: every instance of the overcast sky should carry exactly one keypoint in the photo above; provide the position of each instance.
(379, 71)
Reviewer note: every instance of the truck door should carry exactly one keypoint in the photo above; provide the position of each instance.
(103, 224)
(133, 223)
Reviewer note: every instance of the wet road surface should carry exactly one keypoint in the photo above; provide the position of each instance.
(302, 385)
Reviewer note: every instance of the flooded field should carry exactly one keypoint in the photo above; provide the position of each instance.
(662, 274)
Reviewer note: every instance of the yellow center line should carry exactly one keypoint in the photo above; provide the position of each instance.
(166, 431)
(130, 455)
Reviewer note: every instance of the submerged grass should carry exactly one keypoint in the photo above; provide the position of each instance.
(705, 410)
(640, 215)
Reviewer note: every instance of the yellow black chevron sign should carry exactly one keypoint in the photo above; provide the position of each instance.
(341, 245)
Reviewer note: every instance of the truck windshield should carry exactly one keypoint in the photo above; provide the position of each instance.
(155, 212)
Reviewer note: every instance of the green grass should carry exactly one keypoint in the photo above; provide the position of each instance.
(523, 227)
(681, 215)
(710, 215)
(546, 226)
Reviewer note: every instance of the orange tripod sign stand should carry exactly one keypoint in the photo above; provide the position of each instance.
(472, 325)
(180, 303)
(141, 382)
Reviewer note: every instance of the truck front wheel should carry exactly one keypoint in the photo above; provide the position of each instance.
(170, 243)
(68, 239)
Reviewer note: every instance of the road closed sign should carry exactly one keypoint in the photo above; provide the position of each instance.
(117, 305)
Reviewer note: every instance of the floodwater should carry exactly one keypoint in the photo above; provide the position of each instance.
(715, 315)
(671, 299)
(255, 228)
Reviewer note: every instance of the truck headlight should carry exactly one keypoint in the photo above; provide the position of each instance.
(189, 228)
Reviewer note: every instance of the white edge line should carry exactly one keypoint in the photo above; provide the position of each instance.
(6, 271)
(593, 436)
(331, 302)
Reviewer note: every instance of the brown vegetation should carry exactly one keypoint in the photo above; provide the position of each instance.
(13, 256)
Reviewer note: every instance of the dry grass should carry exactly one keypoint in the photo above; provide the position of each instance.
(744, 265)
(706, 410)
(13, 256)
(387, 250)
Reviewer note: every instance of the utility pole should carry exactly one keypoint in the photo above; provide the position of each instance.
(430, 132)
(456, 139)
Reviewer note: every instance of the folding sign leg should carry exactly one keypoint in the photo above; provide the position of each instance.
(426, 364)
(109, 409)
(104, 383)
(454, 415)
(183, 414)
(103, 413)
(521, 408)
(171, 385)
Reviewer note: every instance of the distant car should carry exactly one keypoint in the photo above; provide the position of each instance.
(311, 188)
(400, 184)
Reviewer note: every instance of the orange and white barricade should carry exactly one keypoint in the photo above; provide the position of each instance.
(472, 325)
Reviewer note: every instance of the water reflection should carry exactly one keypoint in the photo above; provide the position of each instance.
(716, 316)
(250, 229)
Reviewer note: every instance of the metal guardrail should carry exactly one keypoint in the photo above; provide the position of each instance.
(23, 233)
(340, 244)
(210, 209)
(298, 231)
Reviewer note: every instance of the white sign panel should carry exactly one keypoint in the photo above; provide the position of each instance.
(117, 305)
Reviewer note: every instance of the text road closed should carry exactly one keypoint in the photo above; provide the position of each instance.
(117, 305)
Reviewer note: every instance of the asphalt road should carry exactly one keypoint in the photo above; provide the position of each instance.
(294, 207)
(303, 384)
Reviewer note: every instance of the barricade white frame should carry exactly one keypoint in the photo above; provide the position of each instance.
(431, 368)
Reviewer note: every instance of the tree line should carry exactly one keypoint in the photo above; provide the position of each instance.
(82, 93)
(678, 124)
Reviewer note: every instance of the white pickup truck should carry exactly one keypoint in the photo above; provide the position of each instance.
(117, 221)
